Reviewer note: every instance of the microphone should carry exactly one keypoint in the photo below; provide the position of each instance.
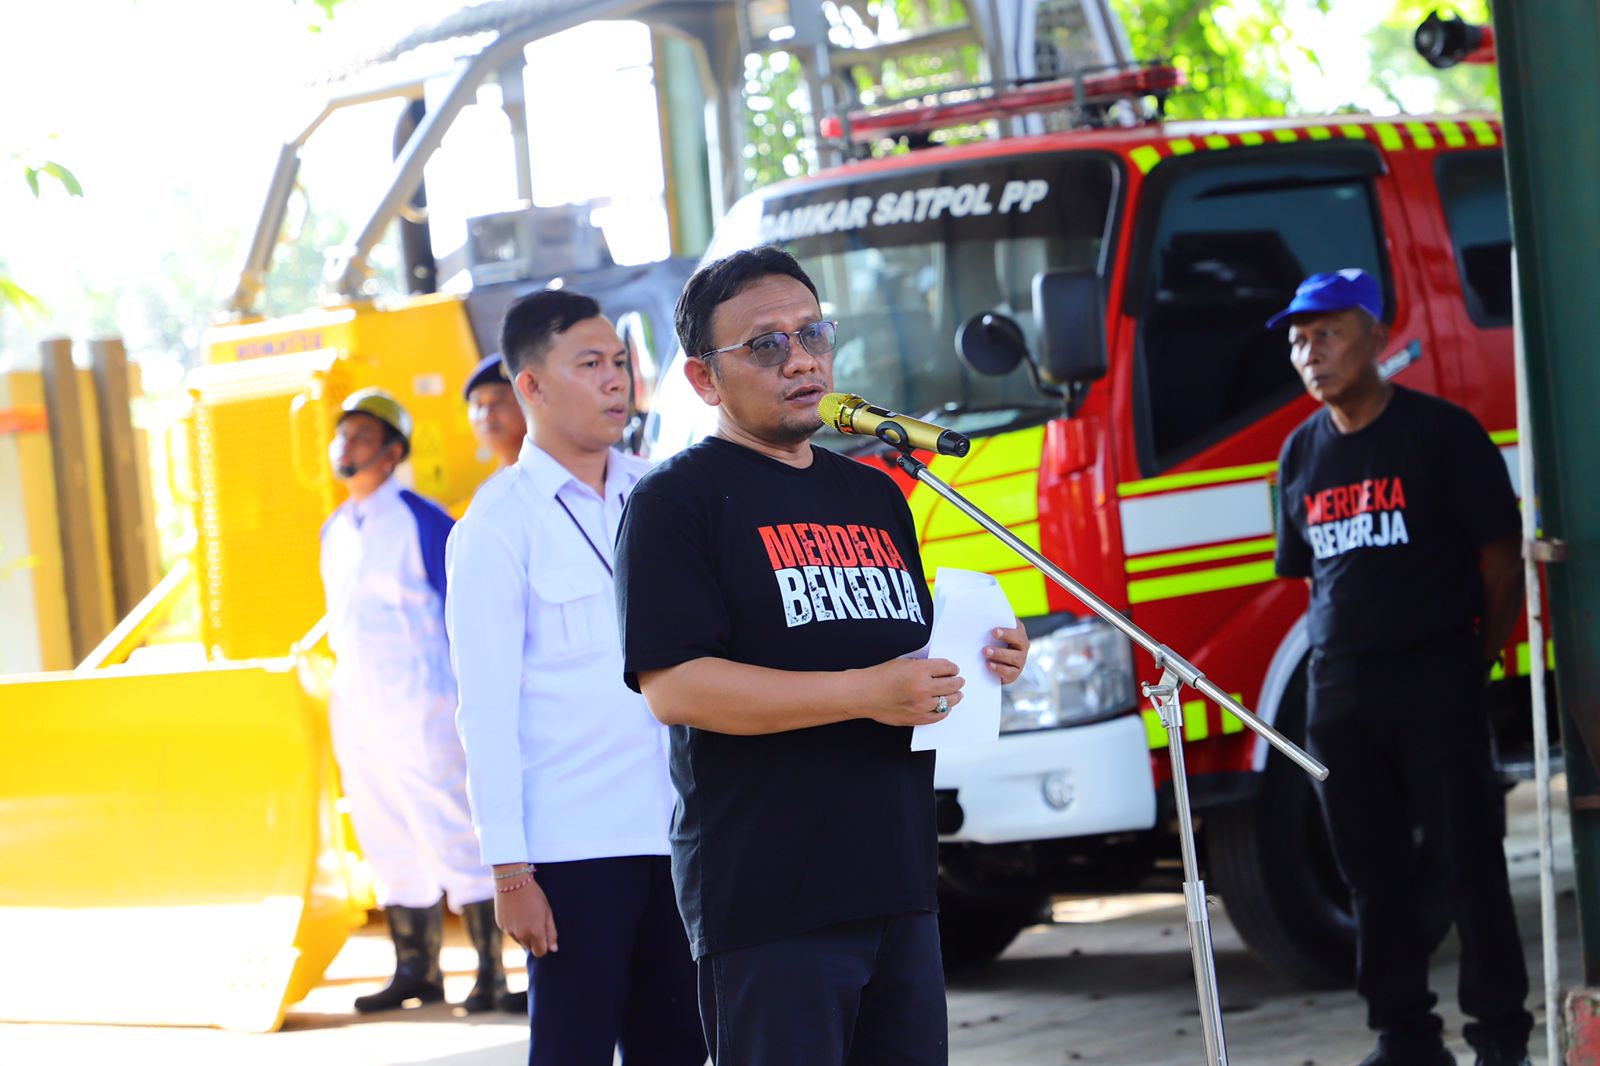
(851, 414)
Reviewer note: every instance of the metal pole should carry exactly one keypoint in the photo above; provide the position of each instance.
(1175, 673)
(1169, 659)
(1536, 677)
(1165, 698)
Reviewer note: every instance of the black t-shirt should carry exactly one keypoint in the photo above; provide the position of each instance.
(1387, 522)
(727, 553)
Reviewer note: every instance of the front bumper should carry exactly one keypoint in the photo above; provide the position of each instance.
(1098, 776)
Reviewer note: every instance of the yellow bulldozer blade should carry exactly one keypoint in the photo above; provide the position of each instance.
(170, 848)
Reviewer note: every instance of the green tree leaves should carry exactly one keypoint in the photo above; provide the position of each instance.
(34, 172)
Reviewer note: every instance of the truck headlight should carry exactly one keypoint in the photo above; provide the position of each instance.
(1074, 674)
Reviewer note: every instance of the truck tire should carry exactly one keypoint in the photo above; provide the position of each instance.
(974, 932)
(1271, 862)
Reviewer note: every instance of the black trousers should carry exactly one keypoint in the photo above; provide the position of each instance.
(864, 993)
(623, 977)
(1405, 737)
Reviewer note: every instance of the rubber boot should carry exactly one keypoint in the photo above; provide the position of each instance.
(490, 987)
(418, 933)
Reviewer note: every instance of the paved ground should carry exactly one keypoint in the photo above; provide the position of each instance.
(1108, 982)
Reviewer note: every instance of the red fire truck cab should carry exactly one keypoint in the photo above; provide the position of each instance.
(1143, 464)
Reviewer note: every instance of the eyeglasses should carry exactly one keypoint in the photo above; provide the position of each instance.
(772, 349)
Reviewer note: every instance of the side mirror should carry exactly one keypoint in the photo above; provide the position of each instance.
(1069, 307)
(991, 344)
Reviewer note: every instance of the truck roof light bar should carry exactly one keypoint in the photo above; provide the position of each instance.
(862, 127)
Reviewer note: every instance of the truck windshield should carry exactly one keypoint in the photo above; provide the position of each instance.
(902, 260)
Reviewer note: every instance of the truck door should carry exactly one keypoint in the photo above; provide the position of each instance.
(1223, 240)
(1474, 301)
(1226, 239)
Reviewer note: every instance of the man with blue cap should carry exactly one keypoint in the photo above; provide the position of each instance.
(497, 421)
(1397, 510)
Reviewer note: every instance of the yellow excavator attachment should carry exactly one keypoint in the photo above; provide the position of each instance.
(178, 828)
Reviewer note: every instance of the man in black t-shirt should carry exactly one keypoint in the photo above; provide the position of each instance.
(1397, 509)
(768, 590)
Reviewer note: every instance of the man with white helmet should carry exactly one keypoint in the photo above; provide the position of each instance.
(393, 708)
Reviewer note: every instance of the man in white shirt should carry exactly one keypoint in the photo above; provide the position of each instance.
(567, 768)
(383, 571)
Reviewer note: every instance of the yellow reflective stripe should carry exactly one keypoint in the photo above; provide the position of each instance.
(1525, 657)
(1319, 133)
(1217, 141)
(1355, 133)
(1482, 131)
(1001, 475)
(1200, 555)
(1215, 579)
(1251, 139)
(1182, 146)
(1145, 157)
(1504, 436)
(1420, 134)
(1285, 136)
(1197, 477)
(1453, 137)
(1389, 137)
(1196, 723)
(979, 550)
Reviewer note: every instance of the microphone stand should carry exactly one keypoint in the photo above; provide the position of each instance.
(1176, 672)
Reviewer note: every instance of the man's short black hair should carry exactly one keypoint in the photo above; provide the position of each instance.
(533, 321)
(717, 283)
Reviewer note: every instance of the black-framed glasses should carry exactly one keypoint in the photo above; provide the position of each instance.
(772, 349)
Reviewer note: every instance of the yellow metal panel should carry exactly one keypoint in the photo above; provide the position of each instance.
(34, 630)
(978, 550)
(1001, 475)
(261, 426)
(264, 413)
(182, 822)
(145, 490)
(256, 522)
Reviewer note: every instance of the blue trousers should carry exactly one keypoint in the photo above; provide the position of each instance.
(623, 977)
(865, 993)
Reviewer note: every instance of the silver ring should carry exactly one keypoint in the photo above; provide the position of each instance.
(943, 706)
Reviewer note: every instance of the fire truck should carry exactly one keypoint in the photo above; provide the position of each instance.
(1138, 453)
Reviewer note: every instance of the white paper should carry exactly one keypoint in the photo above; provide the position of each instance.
(967, 608)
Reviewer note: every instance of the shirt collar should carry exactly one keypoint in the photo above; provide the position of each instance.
(548, 477)
(381, 497)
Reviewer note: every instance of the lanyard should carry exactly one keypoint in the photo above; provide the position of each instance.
(598, 554)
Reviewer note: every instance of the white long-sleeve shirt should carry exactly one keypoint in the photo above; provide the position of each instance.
(564, 762)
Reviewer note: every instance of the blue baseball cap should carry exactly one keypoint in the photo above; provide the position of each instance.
(1336, 291)
(491, 370)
